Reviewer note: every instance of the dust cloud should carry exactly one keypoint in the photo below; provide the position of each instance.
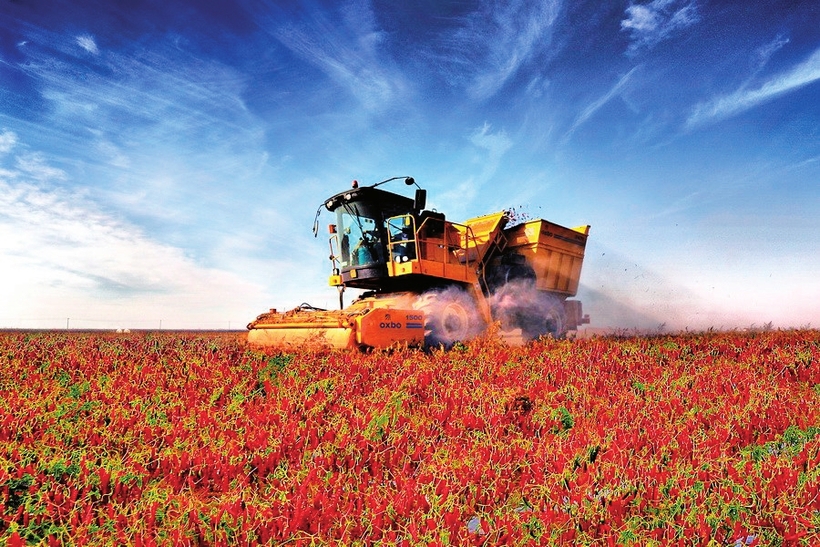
(522, 311)
(518, 304)
(451, 316)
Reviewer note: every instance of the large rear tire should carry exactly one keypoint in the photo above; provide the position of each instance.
(451, 315)
(519, 305)
(550, 320)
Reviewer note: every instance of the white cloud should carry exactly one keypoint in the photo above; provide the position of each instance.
(516, 31)
(487, 149)
(458, 198)
(62, 254)
(160, 131)
(641, 19)
(35, 166)
(596, 105)
(744, 99)
(492, 43)
(114, 154)
(495, 144)
(7, 141)
(349, 54)
(765, 52)
(86, 41)
(164, 88)
(656, 21)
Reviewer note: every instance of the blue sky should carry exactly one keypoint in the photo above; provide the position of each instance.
(161, 162)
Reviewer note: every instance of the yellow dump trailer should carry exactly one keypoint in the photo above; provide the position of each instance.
(556, 253)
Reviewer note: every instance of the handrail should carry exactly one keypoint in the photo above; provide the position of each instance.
(392, 243)
(334, 258)
(465, 240)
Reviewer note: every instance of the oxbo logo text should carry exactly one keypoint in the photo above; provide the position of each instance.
(389, 325)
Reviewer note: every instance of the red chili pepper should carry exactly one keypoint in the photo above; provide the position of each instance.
(15, 540)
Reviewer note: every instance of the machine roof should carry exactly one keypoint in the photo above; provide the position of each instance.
(370, 194)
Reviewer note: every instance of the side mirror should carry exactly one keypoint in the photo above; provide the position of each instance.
(420, 201)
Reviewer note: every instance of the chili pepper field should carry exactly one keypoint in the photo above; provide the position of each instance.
(159, 438)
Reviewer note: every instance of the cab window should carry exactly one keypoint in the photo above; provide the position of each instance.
(361, 243)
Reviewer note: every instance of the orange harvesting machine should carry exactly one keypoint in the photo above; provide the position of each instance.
(430, 281)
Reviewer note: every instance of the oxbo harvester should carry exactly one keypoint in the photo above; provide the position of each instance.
(431, 281)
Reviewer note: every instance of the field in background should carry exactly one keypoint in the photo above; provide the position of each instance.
(194, 438)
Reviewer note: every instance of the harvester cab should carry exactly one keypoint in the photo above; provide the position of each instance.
(366, 235)
(428, 280)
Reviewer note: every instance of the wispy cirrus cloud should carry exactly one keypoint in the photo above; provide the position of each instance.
(765, 52)
(150, 117)
(34, 166)
(164, 84)
(743, 99)
(596, 105)
(350, 54)
(87, 42)
(7, 141)
(492, 44)
(487, 150)
(494, 144)
(651, 23)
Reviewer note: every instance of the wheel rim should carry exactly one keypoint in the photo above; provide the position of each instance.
(451, 315)
(455, 323)
(519, 305)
